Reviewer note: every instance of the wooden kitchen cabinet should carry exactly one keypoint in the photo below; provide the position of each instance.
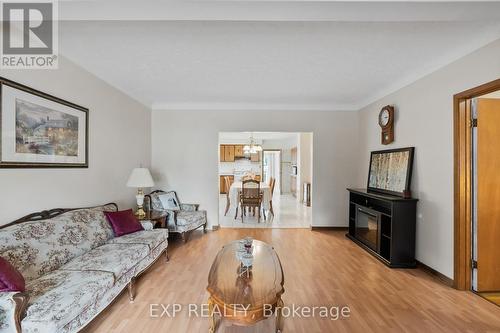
(222, 183)
(222, 153)
(238, 151)
(228, 153)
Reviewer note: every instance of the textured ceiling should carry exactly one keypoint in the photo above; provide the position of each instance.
(225, 64)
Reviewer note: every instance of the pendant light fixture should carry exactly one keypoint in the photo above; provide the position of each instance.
(252, 148)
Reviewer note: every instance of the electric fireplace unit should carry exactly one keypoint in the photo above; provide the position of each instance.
(384, 225)
(367, 228)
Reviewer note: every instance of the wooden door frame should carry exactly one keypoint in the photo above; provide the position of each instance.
(462, 141)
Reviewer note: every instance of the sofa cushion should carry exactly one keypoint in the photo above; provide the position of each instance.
(169, 201)
(123, 222)
(10, 278)
(151, 238)
(114, 258)
(39, 247)
(169, 198)
(185, 218)
(60, 296)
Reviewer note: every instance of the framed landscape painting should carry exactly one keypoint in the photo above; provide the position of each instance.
(390, 171)
(38, 130)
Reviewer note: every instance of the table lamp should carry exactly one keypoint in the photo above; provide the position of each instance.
(140, 178)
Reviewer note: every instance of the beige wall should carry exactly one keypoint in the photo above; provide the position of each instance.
(181, 139)
(424, 119)
(119, 140)
(305, 159)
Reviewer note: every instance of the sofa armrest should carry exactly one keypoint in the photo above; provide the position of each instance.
(147, 225)
(12, 308)
(189, 207)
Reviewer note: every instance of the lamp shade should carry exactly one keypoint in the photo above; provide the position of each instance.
(140, 177)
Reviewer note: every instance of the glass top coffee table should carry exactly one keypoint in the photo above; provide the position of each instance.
(244, 294)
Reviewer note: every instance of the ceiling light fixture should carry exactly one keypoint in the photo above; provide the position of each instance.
(252, 148)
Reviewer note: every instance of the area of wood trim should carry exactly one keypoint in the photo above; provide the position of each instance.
(441, 277)
(20, 301)
(462, 171)
(329, 228)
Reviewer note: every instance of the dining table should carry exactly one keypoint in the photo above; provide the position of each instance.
(236, 187)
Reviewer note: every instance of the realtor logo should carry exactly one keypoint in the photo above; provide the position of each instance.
(29, 35)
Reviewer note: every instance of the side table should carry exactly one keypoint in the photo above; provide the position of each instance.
(157, 217)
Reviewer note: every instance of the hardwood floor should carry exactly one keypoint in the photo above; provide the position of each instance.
(320, 268)
(492, 297)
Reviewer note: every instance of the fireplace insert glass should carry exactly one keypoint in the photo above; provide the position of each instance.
(367, 227)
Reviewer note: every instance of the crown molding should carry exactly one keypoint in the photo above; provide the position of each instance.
(251, 107)
(340, 11)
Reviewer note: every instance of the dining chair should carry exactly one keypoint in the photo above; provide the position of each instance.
(227, 188)
(272, 182)
(247, 176)
(250, 197)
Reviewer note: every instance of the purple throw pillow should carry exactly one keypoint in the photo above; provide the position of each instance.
(10, 278)
(123, 222)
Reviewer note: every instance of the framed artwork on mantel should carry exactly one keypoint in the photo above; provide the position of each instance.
(390, 171)
(38, 130)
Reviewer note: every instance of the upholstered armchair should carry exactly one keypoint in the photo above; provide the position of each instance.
(182, 218)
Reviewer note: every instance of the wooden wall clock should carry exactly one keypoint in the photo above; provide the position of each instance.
(386, 122)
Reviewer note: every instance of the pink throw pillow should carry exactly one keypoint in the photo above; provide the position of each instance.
(123, 222)
(10, 278)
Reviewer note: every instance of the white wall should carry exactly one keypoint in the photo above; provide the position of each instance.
(305, 165)
(182, 138)
(424, 119)
(286, 143)
(119, 140)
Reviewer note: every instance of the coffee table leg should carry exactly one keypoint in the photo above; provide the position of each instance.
(211, 329)
(279, 315)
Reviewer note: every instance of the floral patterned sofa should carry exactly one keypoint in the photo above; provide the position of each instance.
(73, 266)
